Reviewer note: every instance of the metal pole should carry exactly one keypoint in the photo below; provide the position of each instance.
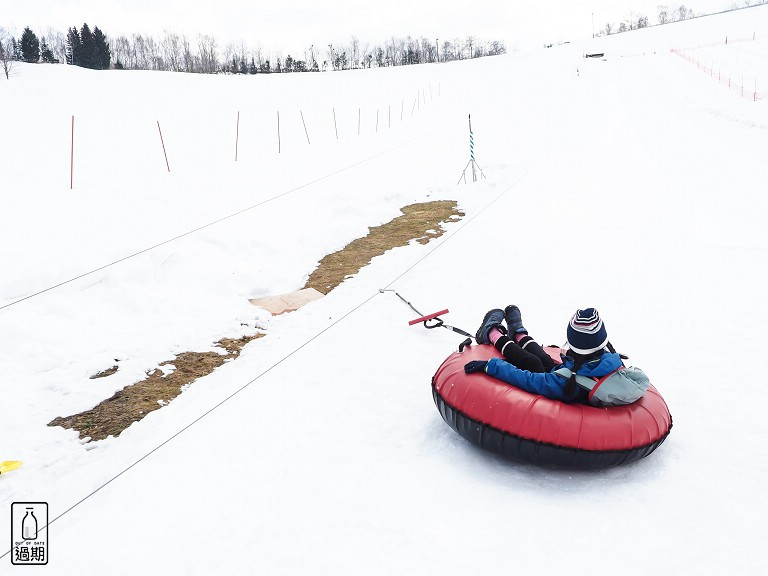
(72, 157)
(163, 143)
(335, 128)
(237, 136)
(305, 126)
(279, 144)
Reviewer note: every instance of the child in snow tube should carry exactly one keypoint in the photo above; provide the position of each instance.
(588, 360)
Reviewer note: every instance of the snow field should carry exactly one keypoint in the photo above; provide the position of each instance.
(634, 186)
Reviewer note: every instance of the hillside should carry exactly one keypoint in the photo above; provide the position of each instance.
(632, 182)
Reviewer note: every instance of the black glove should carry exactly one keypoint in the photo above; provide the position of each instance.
(475, 366)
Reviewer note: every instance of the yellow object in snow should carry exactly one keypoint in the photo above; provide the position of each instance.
(8, 465)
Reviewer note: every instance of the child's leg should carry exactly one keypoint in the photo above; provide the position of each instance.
(529, 345)
(515, 354)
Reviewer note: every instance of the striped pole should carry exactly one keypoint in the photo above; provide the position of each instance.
(472, 149)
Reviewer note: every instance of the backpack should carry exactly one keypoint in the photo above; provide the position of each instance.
(622, 386)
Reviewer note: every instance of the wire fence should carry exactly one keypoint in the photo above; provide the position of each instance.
(732, 64)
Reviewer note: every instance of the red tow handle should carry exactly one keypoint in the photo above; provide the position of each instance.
(428, 317)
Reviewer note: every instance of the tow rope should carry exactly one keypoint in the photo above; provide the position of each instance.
(433, 320)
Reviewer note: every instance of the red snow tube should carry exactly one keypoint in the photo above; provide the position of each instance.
(523, 426)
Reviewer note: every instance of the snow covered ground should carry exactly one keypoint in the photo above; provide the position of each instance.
(634, 183)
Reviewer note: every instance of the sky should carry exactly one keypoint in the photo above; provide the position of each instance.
(294, 25)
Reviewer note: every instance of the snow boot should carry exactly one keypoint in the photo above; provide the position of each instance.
(493, 319)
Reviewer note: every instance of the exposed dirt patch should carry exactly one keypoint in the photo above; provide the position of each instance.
(105, 373)
(132, 403)
(420, 222)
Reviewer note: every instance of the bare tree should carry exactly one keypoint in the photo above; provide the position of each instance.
(6, 53)
(495, 48)
(188, 58)
(684, 13)
(57, 43)
(399, 50)
(154, 56)
(257, 57)
(390, 57)
(447, 50)
(469, 45)
(427, 50)
(170, 48)
(355, 51)
(120, 49)
(208, 56)
(230, 58)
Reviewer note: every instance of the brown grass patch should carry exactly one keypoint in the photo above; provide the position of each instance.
(133, 402)
(420, 222)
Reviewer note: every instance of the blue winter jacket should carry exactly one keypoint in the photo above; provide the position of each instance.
(549, 384)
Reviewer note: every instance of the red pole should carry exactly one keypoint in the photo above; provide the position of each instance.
(237, 137)
(72, 156)
(163, 143)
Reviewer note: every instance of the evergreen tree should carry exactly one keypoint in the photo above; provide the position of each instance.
(30, 46)
(74, 47)
(243, 67)
(46, 53)
(102, 54)
(88, 47)
(252, 69)
(16, 50)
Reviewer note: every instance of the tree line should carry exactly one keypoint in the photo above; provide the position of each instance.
(665, 15)
(204, 54)
(79, 47)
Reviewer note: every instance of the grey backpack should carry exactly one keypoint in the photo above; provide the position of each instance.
(622, 386)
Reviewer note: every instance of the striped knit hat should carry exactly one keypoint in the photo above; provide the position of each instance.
(586, 332)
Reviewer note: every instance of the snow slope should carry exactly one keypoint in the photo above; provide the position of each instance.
(634, 183)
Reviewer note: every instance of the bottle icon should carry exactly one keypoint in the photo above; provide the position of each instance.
(29, 525)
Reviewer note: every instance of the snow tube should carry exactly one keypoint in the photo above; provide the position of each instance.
(529, 427)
